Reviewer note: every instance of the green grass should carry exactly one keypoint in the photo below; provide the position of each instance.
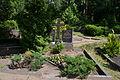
(106, 65)
(90, 47)
(77, 33)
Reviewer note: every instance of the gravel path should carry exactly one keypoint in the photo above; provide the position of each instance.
(81, 40)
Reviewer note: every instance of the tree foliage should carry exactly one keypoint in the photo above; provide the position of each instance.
(35, 17)
(10, 8)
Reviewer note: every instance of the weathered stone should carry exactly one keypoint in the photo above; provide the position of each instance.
(67, 38)
(67, 35)
(68, 45)
(15, 34)
(58, 29)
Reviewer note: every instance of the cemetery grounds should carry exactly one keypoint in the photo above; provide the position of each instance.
(79, 42)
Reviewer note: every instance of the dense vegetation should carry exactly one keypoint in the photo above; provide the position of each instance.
(35, 18)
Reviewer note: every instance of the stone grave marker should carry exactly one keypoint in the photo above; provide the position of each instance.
(58, 29)
(67, 35)
(67, 38)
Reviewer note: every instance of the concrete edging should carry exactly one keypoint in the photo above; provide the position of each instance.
(103, 73)
(99, 50)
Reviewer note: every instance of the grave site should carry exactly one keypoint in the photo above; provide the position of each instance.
(59, 40)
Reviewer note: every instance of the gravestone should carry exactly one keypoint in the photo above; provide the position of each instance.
(67, 38)
(67, 35)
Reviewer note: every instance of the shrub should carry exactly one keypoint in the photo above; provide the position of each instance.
(58, 47)
(16, 57)
(11, 24)
(105, 30)
(37, 43)
(92, 30)
(31, 60)
(37, 61)
(77, 66)
(40, 43)
(16, 60)
(112, 47)
(117, 29)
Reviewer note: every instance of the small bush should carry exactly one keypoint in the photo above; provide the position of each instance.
(37, 61)
(58, 47)
(30, 59)
(92, 30)
(77, 66)
(112, 47)
(16, 61)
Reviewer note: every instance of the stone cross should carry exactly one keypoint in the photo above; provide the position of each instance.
(58, 29)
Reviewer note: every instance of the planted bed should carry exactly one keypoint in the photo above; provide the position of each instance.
(52, 69)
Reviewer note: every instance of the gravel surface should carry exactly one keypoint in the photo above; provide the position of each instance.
(80, 40)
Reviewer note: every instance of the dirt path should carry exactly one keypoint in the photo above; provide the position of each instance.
(81, 40)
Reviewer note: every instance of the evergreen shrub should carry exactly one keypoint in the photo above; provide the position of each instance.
(112, 47)
(30, 59)
(92, 30)
(77, 66)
